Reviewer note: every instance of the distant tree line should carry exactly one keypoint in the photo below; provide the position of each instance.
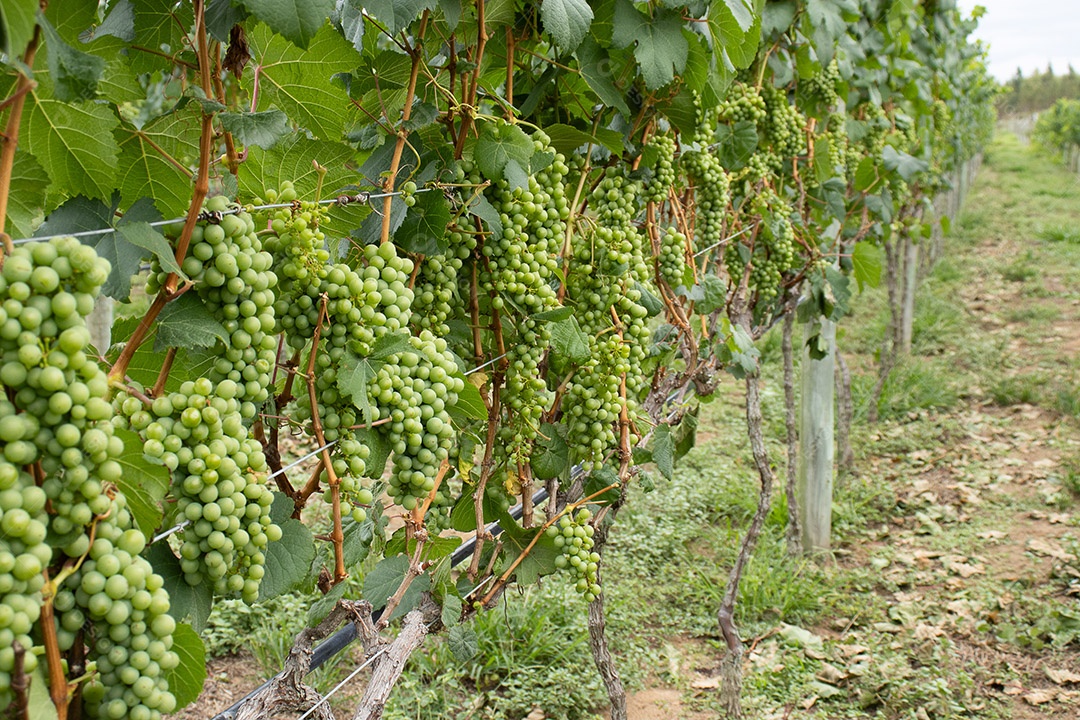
(1026, 95)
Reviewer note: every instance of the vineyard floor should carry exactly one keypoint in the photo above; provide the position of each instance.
(953, 588)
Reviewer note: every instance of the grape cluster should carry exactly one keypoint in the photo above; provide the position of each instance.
(743, 103)
(519, 265)
(415, 388)
(663, 177)
(773, 253)
(573, 536)
(233, 277)
(56, 417)
(435, 295)
(672, 257)
(199, 434)
(823, 85)
(836, 133)
(784, 128)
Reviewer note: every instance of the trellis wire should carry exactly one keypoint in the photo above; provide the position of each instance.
(360, 197)
(718, 244)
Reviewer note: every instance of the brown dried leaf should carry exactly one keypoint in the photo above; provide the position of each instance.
(1062, 676)
(1039, 697)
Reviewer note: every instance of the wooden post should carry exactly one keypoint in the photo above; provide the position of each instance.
(911, 280)
(815, 484)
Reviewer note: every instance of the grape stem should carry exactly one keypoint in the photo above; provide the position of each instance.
(163, 376)
(19, 680)
(416, 521)
(473, 87)
(59, 690)
(417, 53)
(336, 534)
(232, 160)
(10, 140)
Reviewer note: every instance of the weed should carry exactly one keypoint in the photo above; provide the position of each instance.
(1060, 233)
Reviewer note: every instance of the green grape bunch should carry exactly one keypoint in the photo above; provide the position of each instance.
(74, 521)
(573, 536)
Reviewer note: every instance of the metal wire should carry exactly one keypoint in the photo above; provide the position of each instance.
(718, 244)
(361, 197)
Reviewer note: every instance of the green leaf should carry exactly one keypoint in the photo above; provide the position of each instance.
(470, 404)
(567, 21)
(866, 175)
(738, 143)
(663, 450)
(499, 144)
(74, 74)
(451, 610)
(357, 543)
(186, 322)
(385, 578)
(435, 548)
(463, 642)
(186, 601)
(159, 25)
(187, 678)
(39, 704)
(348, 15)
(554, 315)
(322, 607)
(380, 448)
(734, 42)
(714, 294)
(297, 20)
(840, 285)
(288, 561)
(826, 21)
(155, 159)
(686, 433)
(866, 264)
(16, 29)
(356, 373)
(652, 304)
(26, 205)
(661, 50)
(299, 82)
(143, 235)
(551, 456)
(600, 479)
(143, 484)
(482, 208)
(596, 69)
(292, 159)
(568, 340)
(258, 128)
(906, 166)
(221, 15)
(423, 232)
(75, 145)
(541, 558)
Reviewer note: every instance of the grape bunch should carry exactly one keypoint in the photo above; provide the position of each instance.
(712, 186)
(415, 388)
(672, 257)
(823, 85)
(573, 536)
(199, 434)
(233, 277)
(518, 269)
(743, 103)
(436, 300)
(663, 177)
(57, 418)
(784, 128)
(773, 253)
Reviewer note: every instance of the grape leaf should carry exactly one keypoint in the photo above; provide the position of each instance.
(16, 29)
(499, 144)
(568, 340)
(143, 235)
(357, 543)
(734, 42)
(661, 50)
(322, 607)
(187, 323)
(540, 559)
(551, 457)
(297, 20)
(160, 25)
(469, 405)
(299, 82)
(423, 231)
(288, 560)
(567, 21)
(26, 205)
(451, 610)
(464, 643)
(39, 704)
(866, 264)
(356, 373)
(256, 128)
(435, 548)
(384, 580)
(221, 15)
(155, 159)
(663, 450)
(482, 208)
(74, 74)
(144, 484)
(186, 679)
(187, 601)
(905, 165)
(75, 145)
(380, 449)
(348, 15)
(596, 70)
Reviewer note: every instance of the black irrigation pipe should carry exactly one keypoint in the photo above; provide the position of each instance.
(346, 635)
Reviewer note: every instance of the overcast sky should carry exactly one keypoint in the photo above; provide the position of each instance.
(1029, 34)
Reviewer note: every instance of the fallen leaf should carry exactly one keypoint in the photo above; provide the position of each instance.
(1039, 697)
(992, 535)
(1013, 687)
(924, 631)
(706, 683)
(1062, 676)
(850, 650)
(831, 674)
(809, 702)
(1059, 518)
(1052, 549)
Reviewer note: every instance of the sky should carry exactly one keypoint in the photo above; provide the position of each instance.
(1029, 34)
